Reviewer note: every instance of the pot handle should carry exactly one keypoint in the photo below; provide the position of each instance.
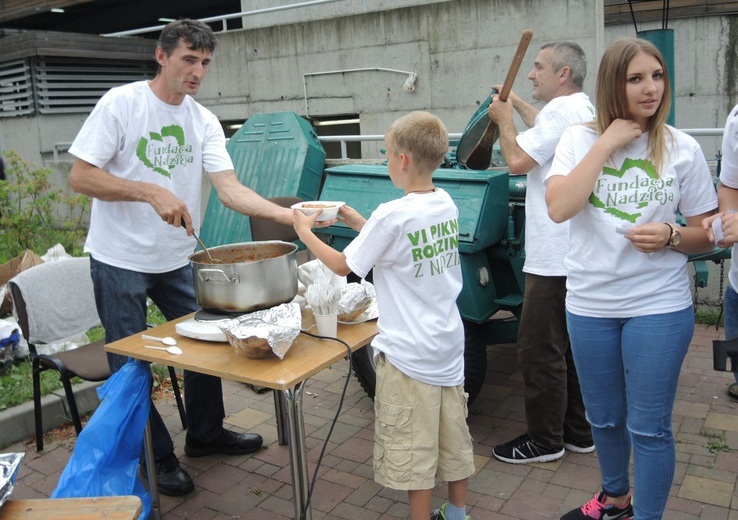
(205, 276)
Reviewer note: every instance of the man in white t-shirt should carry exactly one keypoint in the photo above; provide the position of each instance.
(728, 214)
(141, 155)
(553, 401)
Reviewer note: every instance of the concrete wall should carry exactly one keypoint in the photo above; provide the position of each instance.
(34, 137)
(706, 71)
(458, 49)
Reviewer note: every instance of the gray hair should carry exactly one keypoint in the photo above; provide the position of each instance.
(569, 54)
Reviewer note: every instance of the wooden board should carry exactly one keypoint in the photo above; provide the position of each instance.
(108, 508)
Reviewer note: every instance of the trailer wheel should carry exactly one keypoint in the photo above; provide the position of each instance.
(475, 363)
(365, 369)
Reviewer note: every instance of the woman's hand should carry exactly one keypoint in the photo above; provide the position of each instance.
(649, 238)
(621, 132)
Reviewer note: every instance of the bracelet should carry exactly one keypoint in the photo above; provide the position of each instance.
(671, 233)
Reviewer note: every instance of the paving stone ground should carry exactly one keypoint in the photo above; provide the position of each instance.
(257, 486)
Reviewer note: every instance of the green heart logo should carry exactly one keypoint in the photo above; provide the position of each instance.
(642, 164)
(161, 157)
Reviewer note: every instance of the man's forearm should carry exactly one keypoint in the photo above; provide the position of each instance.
(526, 111)
(94, 182)
(238, 197)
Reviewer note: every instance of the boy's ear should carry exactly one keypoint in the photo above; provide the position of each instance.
(404, 160)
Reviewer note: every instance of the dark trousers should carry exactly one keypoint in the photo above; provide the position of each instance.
(553, 400)
(120, 296)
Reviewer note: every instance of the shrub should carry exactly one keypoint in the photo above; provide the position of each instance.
(35, 215)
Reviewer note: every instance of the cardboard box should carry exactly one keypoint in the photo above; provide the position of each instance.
(9, 269)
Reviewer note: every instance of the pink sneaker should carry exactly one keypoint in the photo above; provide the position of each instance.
(596, 509)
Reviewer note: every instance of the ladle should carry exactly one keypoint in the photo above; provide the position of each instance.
(172, 350)
(210, 257)
(166, 340)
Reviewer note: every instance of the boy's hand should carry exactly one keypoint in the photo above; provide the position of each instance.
(303, 222)
(351, 217)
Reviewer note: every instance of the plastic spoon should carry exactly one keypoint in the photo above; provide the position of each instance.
(171, 350)
(167, 340)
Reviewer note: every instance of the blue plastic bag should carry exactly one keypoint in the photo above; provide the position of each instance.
(108, 450)
(8, 349)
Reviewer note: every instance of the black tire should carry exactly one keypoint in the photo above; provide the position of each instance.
(475, 363)
(363, 362)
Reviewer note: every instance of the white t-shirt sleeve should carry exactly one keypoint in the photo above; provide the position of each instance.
(729, 171)
(100, 137)
(214, 155)
(368, 247)
(564, 158)
(696, 188)
(540, 141)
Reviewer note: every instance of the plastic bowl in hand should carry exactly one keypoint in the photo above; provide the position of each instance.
(330, 208)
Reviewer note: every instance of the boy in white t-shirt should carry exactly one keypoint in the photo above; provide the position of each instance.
(412, 245)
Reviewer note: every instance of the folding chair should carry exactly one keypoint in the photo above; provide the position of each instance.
(53, 302)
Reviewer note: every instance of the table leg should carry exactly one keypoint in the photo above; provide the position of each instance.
(151, 471)
(281, 415)
(298, 456)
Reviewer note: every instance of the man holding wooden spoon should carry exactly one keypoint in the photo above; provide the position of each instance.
(553, 402)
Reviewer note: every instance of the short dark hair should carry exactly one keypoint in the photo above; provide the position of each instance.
(196, 34)
(569, 54)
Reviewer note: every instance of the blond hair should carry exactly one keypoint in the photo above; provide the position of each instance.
(612, 100)
(421, 135)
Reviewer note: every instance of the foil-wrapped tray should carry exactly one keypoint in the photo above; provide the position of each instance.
(355, 299)
(264, 333)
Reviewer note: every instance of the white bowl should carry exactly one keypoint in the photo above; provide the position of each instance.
(330, 208)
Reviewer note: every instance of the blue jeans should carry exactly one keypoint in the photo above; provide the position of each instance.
(628, 371)
(120, 296)
(731, 317)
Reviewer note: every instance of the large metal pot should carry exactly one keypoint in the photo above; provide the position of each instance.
(252, 276)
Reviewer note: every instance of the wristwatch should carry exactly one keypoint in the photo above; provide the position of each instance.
(675, 237)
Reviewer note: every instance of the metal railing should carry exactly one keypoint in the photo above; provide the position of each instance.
(225, 17)
(343, 139)
(63, 146)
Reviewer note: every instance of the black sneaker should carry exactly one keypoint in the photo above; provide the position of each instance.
(595, 509)
(733, 390)
(578, 446)
(171, 479)
(525, 450)
(227, 443)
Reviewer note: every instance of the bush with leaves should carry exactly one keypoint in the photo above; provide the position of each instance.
(36, 215)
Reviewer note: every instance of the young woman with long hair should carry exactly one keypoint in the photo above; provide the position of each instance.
(620, 181)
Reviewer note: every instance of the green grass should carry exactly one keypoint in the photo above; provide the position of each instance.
(17, 386)
(708, 317)
(715, 442)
